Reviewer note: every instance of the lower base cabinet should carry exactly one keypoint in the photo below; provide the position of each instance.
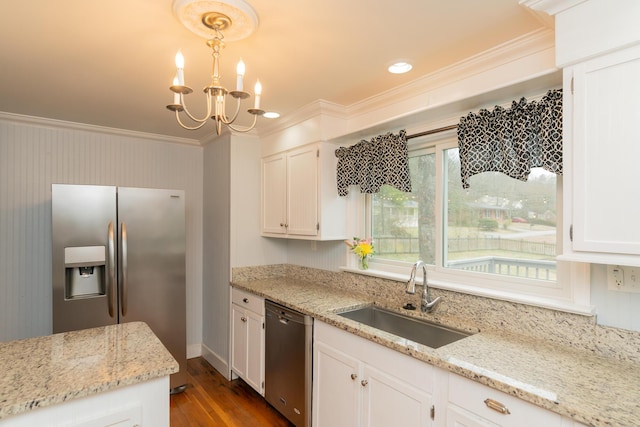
(143, 404)
(360, 383)
(247, 338)
(471, 404)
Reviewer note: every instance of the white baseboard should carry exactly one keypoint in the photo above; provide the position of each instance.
(194, 350)
(220, 364)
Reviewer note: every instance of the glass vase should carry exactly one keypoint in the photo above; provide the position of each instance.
(363, 263)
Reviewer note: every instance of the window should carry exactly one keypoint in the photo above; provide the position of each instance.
(500, 225)
(497, 237)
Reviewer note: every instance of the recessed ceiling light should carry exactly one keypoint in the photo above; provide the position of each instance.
(271, 115)
(400, 67)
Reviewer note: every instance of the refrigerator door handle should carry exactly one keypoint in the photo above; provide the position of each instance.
(111, 269)
(123, 267)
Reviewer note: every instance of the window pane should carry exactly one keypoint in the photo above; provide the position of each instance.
(403, 224)
(500, 225)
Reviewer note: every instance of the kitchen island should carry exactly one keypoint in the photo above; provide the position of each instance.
(580, 386)
(100, 376)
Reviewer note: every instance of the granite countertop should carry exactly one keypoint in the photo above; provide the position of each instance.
(590, 389)
(43, 371)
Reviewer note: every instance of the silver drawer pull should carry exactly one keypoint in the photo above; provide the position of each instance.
(364, 383)
(496, 406)
(245, 300)
(354, 376)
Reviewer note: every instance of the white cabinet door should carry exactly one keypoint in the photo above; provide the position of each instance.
(603, 150)
(336, 388)
(274, 194)
(360, 383)
(300, 197)
(247, 338)
(388, 401)
(255, 351)
(302, 191)
(238, 340)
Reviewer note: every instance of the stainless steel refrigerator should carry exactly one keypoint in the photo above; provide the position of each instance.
(119, 256)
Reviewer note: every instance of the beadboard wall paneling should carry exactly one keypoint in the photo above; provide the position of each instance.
(323, 255)
(32, 157)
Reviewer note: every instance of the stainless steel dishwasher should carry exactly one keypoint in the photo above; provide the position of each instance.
(288, 356)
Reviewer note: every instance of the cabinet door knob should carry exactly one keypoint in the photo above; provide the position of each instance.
(354, 376)
(244, 319)
(497, 406)
(246, 300)
(364, 383)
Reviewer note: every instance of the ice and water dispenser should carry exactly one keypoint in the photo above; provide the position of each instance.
(84, 271)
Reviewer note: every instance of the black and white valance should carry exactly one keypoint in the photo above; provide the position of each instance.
(371, 164)
(512, 140)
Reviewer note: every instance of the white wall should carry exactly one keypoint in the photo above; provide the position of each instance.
(33, 155)
(231, 233)
(215, 296)
(618, 309)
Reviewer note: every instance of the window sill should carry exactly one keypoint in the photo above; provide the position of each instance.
(535, 301)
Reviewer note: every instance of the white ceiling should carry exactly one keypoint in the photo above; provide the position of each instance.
(110, 63)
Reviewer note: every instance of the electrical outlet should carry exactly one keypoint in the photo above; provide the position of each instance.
(615, 277)
(623, 279)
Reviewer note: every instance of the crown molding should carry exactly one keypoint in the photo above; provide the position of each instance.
(62, 124)
(551, 7)
(527, 45)
(505, 53)
(316, 108)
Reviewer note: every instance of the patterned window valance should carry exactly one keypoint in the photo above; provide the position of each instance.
(513, 140)
(371, 164)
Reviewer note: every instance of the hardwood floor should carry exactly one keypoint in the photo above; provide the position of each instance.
(211, 400)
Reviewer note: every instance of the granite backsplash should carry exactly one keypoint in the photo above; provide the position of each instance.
(470, 312)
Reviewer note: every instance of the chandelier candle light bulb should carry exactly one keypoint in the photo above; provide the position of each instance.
(180, 67)
(240, 69)
(258, 91)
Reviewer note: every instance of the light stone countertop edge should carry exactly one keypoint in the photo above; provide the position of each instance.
(590, 389)
(48, 370)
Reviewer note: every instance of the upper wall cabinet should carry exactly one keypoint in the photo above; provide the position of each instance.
(299, 195)
(598, 44)
(602, 148)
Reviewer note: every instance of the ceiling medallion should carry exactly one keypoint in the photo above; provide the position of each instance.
(208, 19)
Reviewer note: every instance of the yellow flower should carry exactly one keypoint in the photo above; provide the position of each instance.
(362, 248)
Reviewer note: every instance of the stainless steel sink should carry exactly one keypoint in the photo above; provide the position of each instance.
(417, 330)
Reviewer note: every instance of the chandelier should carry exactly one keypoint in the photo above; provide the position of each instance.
(216, 95)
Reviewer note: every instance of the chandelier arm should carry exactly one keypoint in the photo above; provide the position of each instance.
(202, 123)
(205, 118)
(224, 117)
(237, 129)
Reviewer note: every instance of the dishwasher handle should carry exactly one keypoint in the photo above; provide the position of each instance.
(285, 315)
(283, 320)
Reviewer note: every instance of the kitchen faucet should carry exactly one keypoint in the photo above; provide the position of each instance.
(427, 304)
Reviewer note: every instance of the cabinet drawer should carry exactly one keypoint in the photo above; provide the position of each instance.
(471, 396)
(248, 300)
